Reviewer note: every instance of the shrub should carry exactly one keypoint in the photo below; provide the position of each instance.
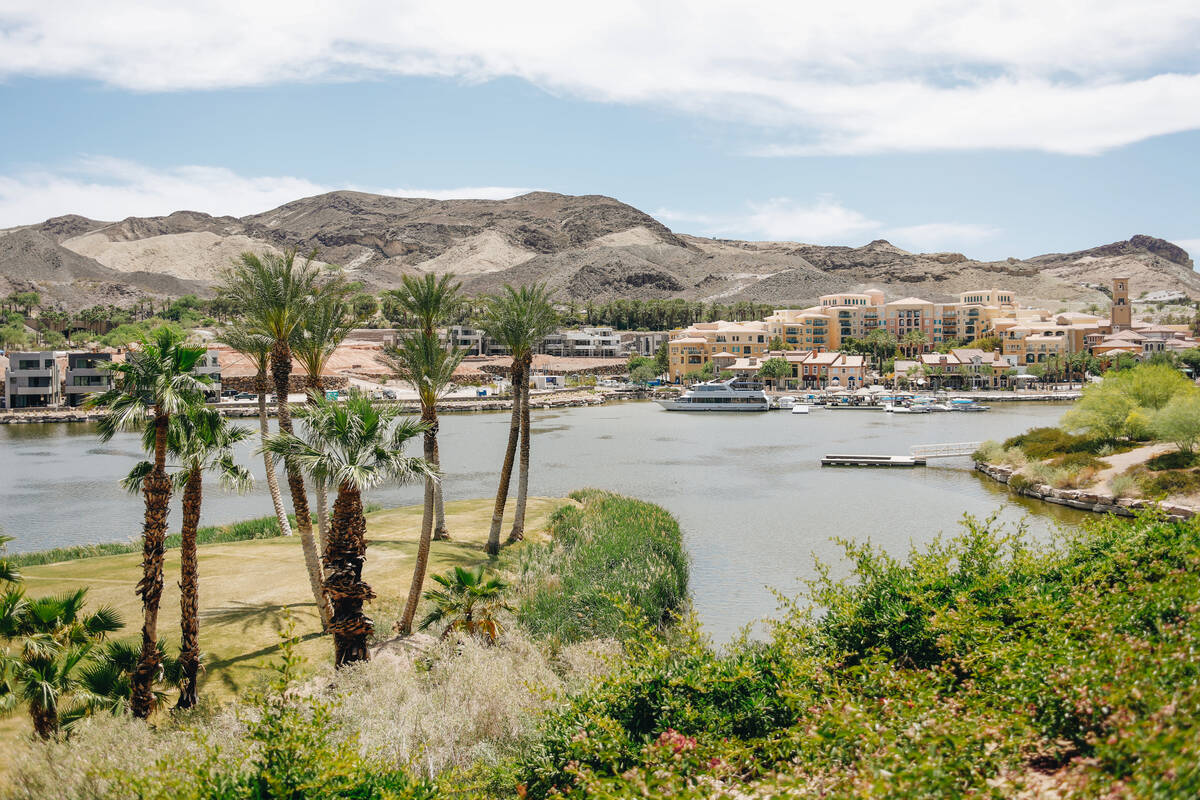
(609, 552)
(1176, 459)
(1165, 484)
(1043, 443)
(1122, 486)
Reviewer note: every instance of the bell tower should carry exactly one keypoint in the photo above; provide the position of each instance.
(1121, 311)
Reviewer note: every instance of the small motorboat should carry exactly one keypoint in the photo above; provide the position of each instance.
(801, 408)
(785, 402)
(966, 404)
(899, 409)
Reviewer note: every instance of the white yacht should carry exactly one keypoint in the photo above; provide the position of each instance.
(730, 395)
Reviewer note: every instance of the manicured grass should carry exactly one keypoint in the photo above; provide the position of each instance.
(246, 586)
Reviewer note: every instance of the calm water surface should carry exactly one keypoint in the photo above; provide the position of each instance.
(754, 503)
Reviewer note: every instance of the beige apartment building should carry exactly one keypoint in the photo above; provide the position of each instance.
(720, 341)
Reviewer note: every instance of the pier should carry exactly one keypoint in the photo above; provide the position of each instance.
(834, 460)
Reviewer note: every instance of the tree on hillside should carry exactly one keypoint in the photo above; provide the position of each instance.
(354, 446)
(276, 293)
(157, 381)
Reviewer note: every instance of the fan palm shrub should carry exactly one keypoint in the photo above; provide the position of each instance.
(157, 381)
(468, 602)
(354, 446)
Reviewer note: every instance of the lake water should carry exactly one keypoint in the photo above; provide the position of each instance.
(754, 503)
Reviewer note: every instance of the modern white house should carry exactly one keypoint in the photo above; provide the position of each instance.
(210, 365)
(86, 375)
(33, 380)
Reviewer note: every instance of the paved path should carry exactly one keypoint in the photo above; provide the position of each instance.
(1123, 461)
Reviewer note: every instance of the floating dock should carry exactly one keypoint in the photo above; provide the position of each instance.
(837, 460)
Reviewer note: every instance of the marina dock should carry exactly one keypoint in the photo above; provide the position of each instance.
(835, 460)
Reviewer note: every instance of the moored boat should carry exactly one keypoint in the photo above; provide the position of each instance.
(730, 395)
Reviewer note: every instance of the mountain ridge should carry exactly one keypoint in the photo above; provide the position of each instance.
(585, 247)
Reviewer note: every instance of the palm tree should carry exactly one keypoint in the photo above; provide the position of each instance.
(467, 602)
(56, 637)
(354, 446)
(429, 368)
(518, 319)
(202, 440)
(914, 341)
(257, 347)
(315, 341)
(276, 294)
(431, 300)
(157, 380)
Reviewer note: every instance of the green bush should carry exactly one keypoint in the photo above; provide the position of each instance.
(1169, 483)
(982, 667)
(1175, 459)
(1043, 443)
(608, 553)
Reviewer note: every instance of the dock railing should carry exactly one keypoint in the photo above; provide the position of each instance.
(949, 450)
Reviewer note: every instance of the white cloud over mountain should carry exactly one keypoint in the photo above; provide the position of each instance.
(1070, 76)
(109, 189)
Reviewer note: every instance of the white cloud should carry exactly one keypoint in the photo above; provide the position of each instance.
(826, 221)
(939, 236)
(1193, 248)
(112, 189)
(1072, 76)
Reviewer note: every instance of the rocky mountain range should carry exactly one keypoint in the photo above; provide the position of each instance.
(587, 248)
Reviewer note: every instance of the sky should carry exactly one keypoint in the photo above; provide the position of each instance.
(994, 128)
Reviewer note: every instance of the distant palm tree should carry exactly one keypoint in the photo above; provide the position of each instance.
(914, 341)
(430, 301)
(276, 294)
(466, 602)
(518, 319)
(355, 446)
(315, 341)
(257, 347)
(428, 367)
(202, 440)
(156, 379)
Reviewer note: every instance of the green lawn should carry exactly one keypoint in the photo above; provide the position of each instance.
(246, 586)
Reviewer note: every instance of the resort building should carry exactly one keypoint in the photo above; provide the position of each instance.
(594, 342)
(961, 368)
(719, 341)
(209, 365)
(86, 375)
(643, 343)
(33, 380)
(810, 369)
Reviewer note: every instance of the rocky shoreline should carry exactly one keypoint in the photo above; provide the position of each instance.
(558, 400)
(1084, 499)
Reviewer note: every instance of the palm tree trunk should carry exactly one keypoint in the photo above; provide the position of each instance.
(320, 489)
(440, 533)
(156, 490)
(189, 599)
(264, 429)
(281, 371)
(518, 526)
(343, 578)
(45, 720)
(429, 416)
(514, 432)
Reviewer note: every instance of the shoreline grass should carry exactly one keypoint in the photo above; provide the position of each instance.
(241, 531)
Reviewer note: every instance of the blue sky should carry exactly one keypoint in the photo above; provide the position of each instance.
(998, 133)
